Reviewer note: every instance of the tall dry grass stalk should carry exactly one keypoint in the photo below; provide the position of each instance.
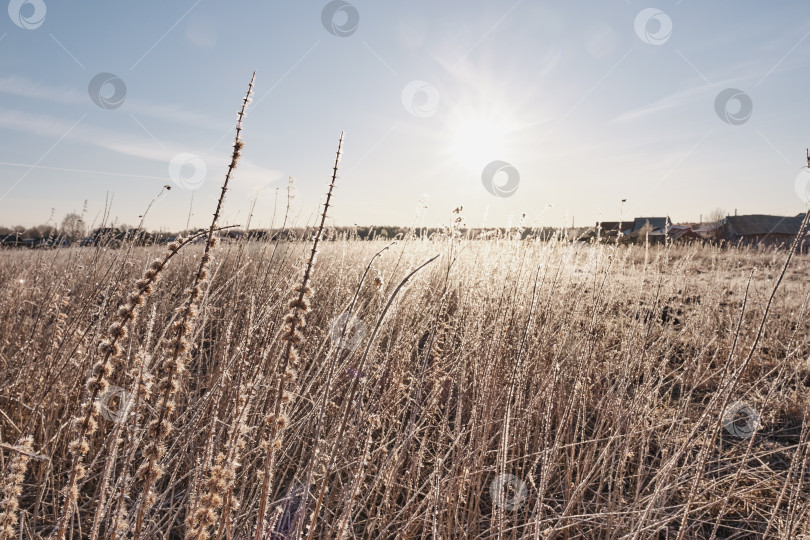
(97, 383)
(287, 372)
(176, 346)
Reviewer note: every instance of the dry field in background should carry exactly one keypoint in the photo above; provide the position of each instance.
(509, 389)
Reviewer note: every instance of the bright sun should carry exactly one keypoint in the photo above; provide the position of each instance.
(478, 141)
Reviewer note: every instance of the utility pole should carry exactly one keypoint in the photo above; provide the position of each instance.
(621, 220)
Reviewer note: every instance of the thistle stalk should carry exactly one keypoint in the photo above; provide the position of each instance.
(86, 423)
(176, 346)
(295, 322)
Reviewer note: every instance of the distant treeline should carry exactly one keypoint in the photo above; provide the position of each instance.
(50, 236)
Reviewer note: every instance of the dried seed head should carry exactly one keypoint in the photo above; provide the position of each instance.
(117, 330)
(102, 369)
(98, 386)
(294, 336)
(164, 428)
(92, 425)
(144, 286)
(79, 447)
(181, 327)
(295, 318)
(302, 304)
(307, 290)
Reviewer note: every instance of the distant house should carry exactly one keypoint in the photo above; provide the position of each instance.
(761, 229)
(658, 224)
(12, 240)
(676, 233)
(711, 231)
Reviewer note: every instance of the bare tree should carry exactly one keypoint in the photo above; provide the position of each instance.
(73, 227)
(718, 214)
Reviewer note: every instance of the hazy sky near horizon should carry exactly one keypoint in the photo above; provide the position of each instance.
(678, 107)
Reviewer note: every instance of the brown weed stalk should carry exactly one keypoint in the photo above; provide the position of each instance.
(176, 346)
(294, 321)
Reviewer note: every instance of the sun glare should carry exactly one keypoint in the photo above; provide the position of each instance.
(477, 139)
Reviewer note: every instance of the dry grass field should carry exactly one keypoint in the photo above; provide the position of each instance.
(435, 387)
(508, 389)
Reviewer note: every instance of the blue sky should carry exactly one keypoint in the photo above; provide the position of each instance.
(589, 102)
